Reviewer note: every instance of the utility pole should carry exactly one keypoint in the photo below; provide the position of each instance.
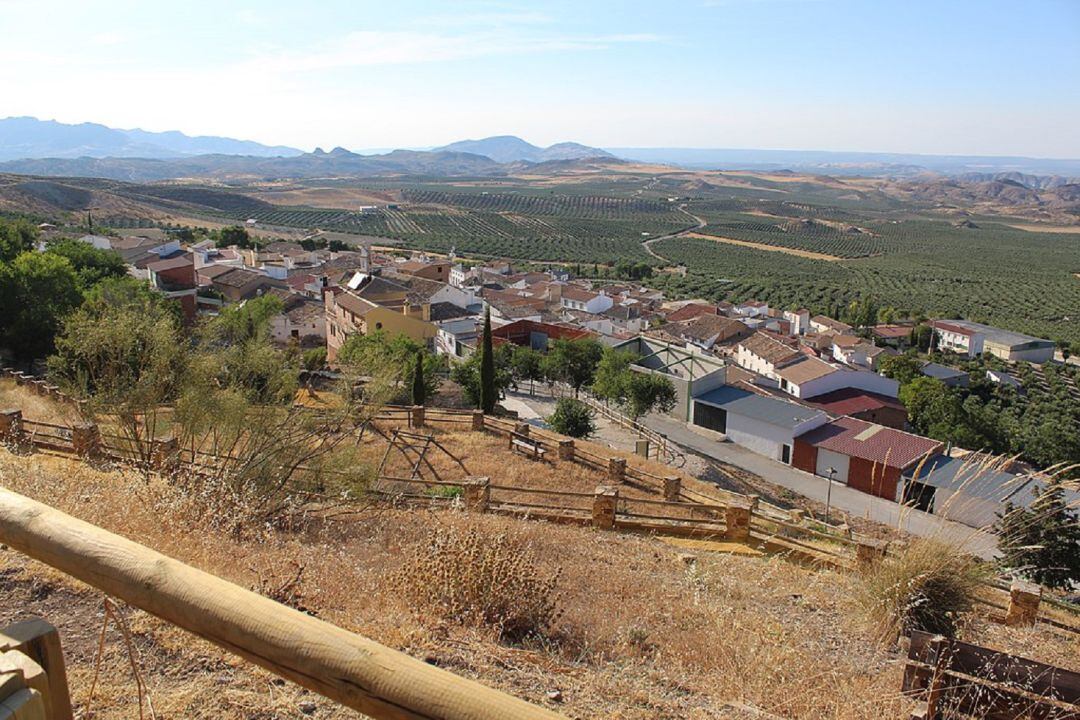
(828, 493)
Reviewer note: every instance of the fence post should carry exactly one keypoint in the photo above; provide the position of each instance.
(641, 447)
(86, 440)
(416, 416)
(1024, 599)
(672, 487)
(477, 493)
(603, 509)
(869, 552)
(521, 429)
(40, 642)
(797, 515)
(11, 426)
(566, 450)
(737, 518)
(166, 454)
(616, 470)
(39, 387)
(477, 420)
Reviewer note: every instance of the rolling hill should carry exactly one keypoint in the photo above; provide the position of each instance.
(28, 137)
(508, 148)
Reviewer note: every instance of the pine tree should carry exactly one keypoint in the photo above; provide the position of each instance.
(419, 390)
(1042, 542)
(488, 394)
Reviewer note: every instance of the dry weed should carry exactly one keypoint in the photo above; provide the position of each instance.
(483, 579)
(930, 585)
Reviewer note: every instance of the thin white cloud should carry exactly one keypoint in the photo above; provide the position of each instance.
(368, 48)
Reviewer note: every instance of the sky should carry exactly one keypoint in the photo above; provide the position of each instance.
(982, 77)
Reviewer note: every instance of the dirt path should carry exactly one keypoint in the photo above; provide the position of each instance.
(682, 233)
(809, 254)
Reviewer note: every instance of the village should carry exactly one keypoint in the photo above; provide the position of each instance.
(804, 391)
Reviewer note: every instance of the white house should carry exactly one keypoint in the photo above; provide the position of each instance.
(303, 320)
(799, 319)
(766, 425)
(971, 338)
(577, 298)
(810, 377)
(762, 354)
(957, 338)
(752, 309)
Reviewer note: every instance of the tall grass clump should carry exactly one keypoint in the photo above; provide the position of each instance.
(481, 579)
(929, 585)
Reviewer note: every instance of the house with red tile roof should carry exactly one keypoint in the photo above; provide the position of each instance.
(867, 457)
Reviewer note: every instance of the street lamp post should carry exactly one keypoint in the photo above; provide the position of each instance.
(828, 493)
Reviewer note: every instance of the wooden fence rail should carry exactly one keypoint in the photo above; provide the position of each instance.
(957, 677)
(348, 668)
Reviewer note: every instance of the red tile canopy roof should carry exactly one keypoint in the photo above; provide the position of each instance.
(876, 443)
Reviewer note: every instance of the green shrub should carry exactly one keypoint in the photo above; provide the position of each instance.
(572, 417)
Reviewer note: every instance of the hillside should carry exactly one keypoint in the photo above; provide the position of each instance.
(28, 137)
(508, 149)
(336, 163)
(644, 631)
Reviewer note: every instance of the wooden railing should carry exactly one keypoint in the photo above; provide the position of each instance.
(658, 444)
(958, 678)
(345, 667)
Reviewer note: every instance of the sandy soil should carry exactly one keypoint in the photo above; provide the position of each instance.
(1036, 227)
(762, 246)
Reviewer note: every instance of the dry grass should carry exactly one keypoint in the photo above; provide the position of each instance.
(929, 586)
(34, 406)
(480, 579)
(641, 635)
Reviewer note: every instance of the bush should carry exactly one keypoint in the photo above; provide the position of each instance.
(929, 586)
(572, 417)
(481, 579)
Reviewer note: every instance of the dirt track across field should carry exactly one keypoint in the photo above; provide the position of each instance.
(762, 246)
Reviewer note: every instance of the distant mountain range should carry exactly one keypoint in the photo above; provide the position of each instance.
(508, 149)
(27, 137)
(847, 163)
(47, 147)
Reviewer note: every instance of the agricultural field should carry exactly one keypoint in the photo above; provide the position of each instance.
(990, 273)
(789, 239)
(541, 227)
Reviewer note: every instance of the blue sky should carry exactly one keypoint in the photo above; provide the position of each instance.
(949, 76)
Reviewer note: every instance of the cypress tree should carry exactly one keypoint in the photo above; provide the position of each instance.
(419, 391)
(488, 395)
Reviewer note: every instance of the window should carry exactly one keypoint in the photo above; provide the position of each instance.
(378, 326)
(296, 333)
(785, 454)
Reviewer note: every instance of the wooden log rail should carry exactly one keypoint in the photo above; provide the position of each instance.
(958, 677)
(347, 668)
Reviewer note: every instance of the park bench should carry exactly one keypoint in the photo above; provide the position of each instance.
(957, 679)
(527, 446)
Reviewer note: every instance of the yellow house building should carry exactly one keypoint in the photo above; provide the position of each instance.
(348, 314)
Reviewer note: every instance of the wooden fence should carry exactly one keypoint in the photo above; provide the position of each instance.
(957, 678)
(674, 510)
(347, 668)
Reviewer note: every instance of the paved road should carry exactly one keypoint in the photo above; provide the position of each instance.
(844, 498)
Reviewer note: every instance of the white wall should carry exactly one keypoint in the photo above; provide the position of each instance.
(828, 459)
(764, 438)
(746, 359)
(858, 379)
